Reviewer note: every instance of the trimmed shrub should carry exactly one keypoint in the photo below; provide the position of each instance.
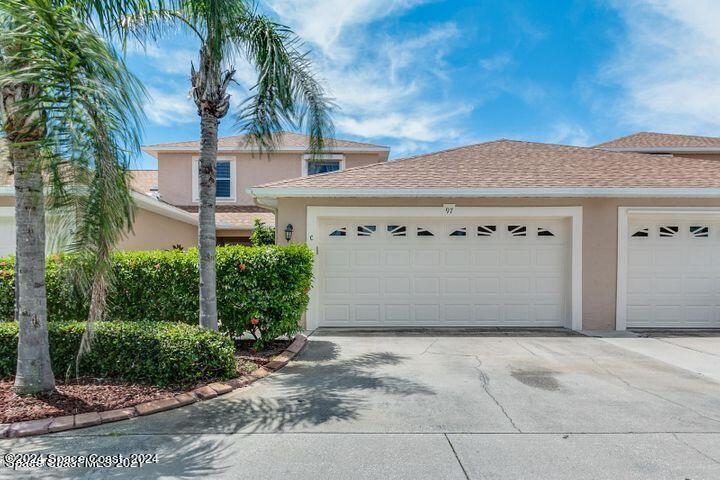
(262, 234)
(268, 283)
(158, 353)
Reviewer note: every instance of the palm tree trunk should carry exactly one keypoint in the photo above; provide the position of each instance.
(34, 373)
(206, 222)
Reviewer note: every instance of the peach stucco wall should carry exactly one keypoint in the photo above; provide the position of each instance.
(175, 172)
(153, 231)
(599, 236)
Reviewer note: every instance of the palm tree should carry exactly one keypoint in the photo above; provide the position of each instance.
(70, 115)
(286, 94)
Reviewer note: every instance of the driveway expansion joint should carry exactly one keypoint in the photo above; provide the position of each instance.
(462, 467)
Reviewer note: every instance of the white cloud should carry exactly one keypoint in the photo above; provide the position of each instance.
(419, 126)
(668, 66)
(166, 58)
(322, 22)
(170, 108)
(568, 134)
(388, 86)
(496, 62)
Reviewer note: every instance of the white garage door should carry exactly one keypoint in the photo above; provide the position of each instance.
(402, 272)
(673, 272)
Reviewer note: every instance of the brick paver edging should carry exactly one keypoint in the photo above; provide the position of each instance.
(212, 390)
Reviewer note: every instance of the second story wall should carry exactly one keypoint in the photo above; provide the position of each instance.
(175, 172)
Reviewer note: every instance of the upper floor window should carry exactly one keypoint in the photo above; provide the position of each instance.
(223, 180)
(323, 166)
(322, 163)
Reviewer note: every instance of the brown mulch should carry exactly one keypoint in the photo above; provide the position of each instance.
(92, 395)
(249, 360)
(74, 397)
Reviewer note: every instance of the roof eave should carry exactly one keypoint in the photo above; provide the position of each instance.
(663, 149)
(657, 192)
(155, 150)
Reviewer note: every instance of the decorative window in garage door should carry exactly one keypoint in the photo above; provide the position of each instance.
(699, 231)
(424, 232)
(339, 232)
(486, 230)
(397, 230)
(668, 231)
(517, 230)
(641, 233)
(459, 232)
(544, 232)
(366, 230)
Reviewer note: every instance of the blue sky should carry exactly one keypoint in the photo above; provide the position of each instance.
(423, 75)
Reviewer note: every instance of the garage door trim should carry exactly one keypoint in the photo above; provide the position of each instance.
(624, 214)
(574, 214)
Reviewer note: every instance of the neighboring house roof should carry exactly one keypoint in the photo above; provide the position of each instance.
(662, 142)
(237, 216)
(144, 181)
(285, 141)
(509, 168)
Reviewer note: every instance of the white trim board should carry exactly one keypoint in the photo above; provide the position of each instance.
(315, 192)
(575, 214)
(624, 214)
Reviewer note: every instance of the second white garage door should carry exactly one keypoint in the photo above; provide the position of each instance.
(405, 273)
(673, 271)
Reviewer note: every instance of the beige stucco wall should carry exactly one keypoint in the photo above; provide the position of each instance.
(175, 172)
(599, 236)
(153, 231)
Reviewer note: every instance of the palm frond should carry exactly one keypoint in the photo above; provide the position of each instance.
(89, 105)
(287, 93)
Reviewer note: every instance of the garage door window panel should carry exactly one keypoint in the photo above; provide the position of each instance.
(338, 232)
(366, 230)
(699, 231)
(486, 231)
(668, 231)
(397, 230)
(642, 232)
(517, 230)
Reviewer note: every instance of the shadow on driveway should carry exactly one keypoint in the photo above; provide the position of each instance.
(315, 390)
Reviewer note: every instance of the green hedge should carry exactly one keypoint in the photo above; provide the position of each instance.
(158, 353)
(267, 283)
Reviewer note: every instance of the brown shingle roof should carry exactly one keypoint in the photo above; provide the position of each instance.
(283, 140)
(661, 140)
(237, 216)
(515, 164)
(143, 180)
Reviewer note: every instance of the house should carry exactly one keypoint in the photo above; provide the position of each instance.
(166, 198)
(511, 233)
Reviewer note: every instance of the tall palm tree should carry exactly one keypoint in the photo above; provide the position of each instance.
(70, 114)
(287, 94)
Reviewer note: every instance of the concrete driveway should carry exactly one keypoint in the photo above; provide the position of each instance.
(535, 406)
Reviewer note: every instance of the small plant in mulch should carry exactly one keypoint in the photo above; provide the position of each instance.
(249, 359)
